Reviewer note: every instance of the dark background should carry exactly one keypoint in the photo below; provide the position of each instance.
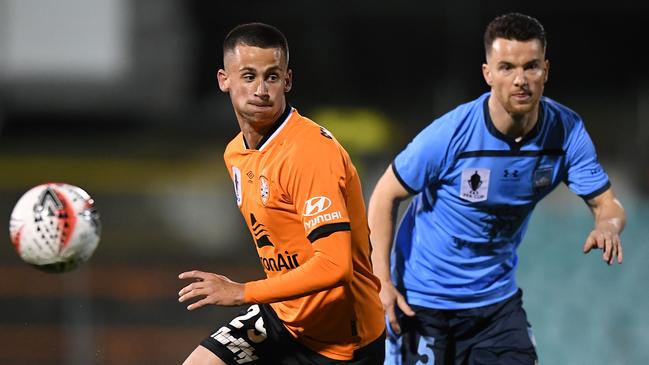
(120, 98)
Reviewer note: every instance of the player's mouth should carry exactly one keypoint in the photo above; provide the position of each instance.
(522, 96)
(261, 105)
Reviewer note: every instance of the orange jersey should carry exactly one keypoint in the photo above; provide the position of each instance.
(301, 197)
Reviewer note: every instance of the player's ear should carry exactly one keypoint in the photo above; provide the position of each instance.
(486, 73)
(289, 81)
(547, 70)
(224, 81)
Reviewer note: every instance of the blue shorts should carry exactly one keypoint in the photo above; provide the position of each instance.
(497, 334)
(257, 336)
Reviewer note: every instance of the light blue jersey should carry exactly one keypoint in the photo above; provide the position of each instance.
(475, 191)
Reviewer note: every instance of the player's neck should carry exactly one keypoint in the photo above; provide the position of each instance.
(252, 135)
(515, 126)
(254, 131)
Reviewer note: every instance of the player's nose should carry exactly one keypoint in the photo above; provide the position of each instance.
(519, 78)
(262, 89)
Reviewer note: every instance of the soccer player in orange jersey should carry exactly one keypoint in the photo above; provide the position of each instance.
(301, 198)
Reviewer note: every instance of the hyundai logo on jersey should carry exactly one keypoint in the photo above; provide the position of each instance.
(316, 205)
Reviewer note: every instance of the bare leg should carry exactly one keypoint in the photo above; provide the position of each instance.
(203, 356)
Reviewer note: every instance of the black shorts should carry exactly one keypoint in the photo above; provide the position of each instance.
(257, 336)
(497, 334)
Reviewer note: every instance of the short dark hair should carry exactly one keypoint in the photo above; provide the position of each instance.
(514, 26)
(257, 35)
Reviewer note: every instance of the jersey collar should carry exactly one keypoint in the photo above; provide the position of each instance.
(513, 144)
(272, 132)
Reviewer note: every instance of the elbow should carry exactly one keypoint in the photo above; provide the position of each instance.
(334, 258)
(346, 275)
(341, 275)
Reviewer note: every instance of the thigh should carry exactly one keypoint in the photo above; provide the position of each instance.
(505, 339)
(501, 357)
(371, 354)
(258, 337)
(203, 356)
(243, 340)
(424, 339)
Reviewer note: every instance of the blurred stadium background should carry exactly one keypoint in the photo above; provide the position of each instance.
(120, 97)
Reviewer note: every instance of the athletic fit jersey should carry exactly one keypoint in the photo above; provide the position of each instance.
(475, 189)
(298, 187)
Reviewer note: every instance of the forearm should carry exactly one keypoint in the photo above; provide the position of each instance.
(381, 218)
(330, 266)
(609, 223)
(608, 212)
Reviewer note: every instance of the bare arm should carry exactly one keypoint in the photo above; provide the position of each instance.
(609, 222)
(382, 214)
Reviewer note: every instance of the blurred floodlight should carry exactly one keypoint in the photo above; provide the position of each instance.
(63, 39)
(360, 130)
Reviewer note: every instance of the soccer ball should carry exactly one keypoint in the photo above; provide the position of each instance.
(55, 227)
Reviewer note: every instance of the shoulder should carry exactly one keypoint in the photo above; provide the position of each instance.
(559, 113)
(309, 139)
(568, 127)
(310, 153)
(234, 147)
(465, 115)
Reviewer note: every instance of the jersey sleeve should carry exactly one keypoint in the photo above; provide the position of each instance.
(317, 186)
(420, 163)
(585, 176)
(331, 265)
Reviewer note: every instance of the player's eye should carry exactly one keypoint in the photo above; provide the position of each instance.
(248, 77)
(532, 66)
(273, 78)
(504, 67)
(534, 69)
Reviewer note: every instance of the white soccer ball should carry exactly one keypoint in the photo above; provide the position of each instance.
(55, 227)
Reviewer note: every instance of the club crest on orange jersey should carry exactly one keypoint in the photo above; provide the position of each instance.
(263, 189)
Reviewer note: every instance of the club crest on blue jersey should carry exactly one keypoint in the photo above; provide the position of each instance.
(475, 184)
(236, 179)
(542, 177)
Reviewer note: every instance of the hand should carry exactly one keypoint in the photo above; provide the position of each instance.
(215, 289)
(389, 296)
(607, 241)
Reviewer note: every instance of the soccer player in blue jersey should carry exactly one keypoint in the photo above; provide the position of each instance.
(448, 286)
